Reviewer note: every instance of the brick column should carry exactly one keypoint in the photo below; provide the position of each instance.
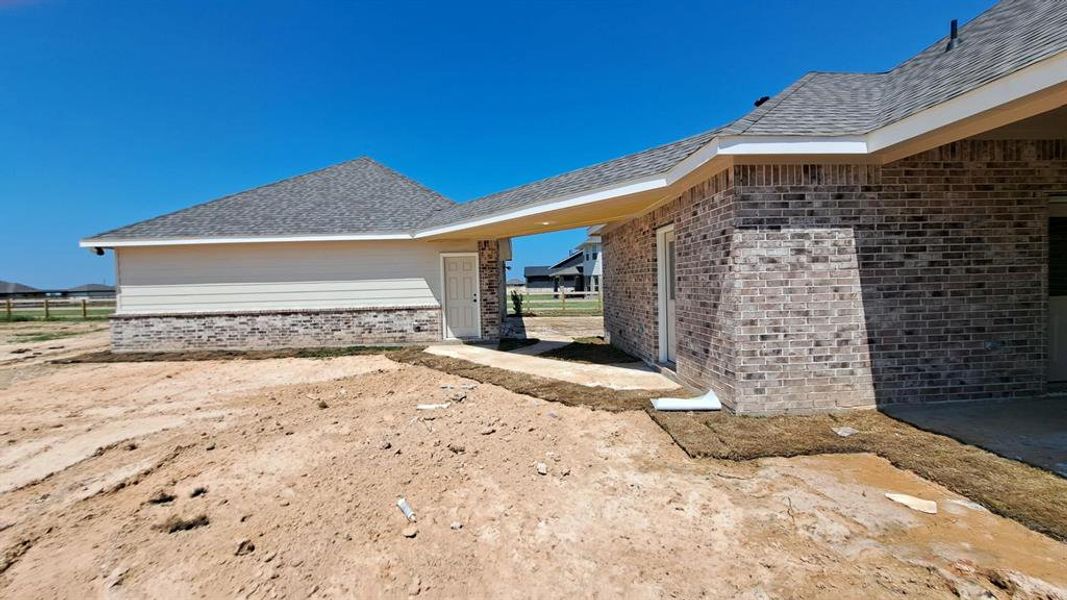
(490, 274)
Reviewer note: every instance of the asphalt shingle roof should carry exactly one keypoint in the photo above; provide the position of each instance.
(653, 161)
(360, 196)
(1011, 35)
(536, 271)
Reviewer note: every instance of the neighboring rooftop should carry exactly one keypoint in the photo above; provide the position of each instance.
(536, 272)
(92, 287)
(11, 287)
(360, 196)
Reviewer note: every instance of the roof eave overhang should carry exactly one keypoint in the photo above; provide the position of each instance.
(131, 242)
(1030, 91)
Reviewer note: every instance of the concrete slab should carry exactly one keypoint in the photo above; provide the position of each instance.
(1031, 431)
(629, 377)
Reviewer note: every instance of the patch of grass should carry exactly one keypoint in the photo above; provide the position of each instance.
(509, 344)
(593, 350)
(571, 394)
(548, 305)
(45, 336)
(1029, 495)
(196, 355)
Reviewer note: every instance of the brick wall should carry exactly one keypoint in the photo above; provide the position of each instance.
(705, 305)
(284, 329)
(843, 285)
(490, 278)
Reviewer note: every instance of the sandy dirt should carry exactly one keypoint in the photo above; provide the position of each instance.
(558, 328)
(18, 346)
(287, 472)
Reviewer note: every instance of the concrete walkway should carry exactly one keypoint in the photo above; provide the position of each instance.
(635, 377)
(1032, 431)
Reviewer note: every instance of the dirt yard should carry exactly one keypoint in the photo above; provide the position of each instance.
(280, 477)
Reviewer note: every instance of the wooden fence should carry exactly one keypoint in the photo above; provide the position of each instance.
(26, 309)
(549, 303)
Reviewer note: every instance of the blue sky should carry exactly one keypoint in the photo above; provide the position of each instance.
(112, 112)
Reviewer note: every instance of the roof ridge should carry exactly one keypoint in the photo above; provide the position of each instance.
(774, 102)
(406, 178)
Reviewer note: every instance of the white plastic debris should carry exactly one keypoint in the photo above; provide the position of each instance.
(542, 468)
(845, 431)
(709, 401)
(406, 509)
(432, 406)
(926, 506)
(968, 504)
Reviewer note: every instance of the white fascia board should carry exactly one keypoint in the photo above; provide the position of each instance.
(792, 145)
(1042, 75)
(108, 243)
(631, 187)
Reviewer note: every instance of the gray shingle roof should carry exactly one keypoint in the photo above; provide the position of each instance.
(1010, 36)
(536, 271)
(817, 104)
(653, 161)
(360, 196)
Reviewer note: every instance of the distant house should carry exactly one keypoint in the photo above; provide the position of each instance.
(10, 289)
(567, 274)
(539, 279)
(592, 263)
(90, 290)
(581, 271)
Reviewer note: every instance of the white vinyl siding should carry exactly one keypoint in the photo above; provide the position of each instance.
(282, 276)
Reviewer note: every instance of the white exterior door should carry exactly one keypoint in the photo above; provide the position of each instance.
(667, 314)
(462, 318)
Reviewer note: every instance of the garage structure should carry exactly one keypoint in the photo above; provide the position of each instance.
(858, 239)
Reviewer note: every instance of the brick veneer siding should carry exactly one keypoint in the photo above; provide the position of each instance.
(921, 280)
(490, 277)
(283, 329)
(704, 302)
